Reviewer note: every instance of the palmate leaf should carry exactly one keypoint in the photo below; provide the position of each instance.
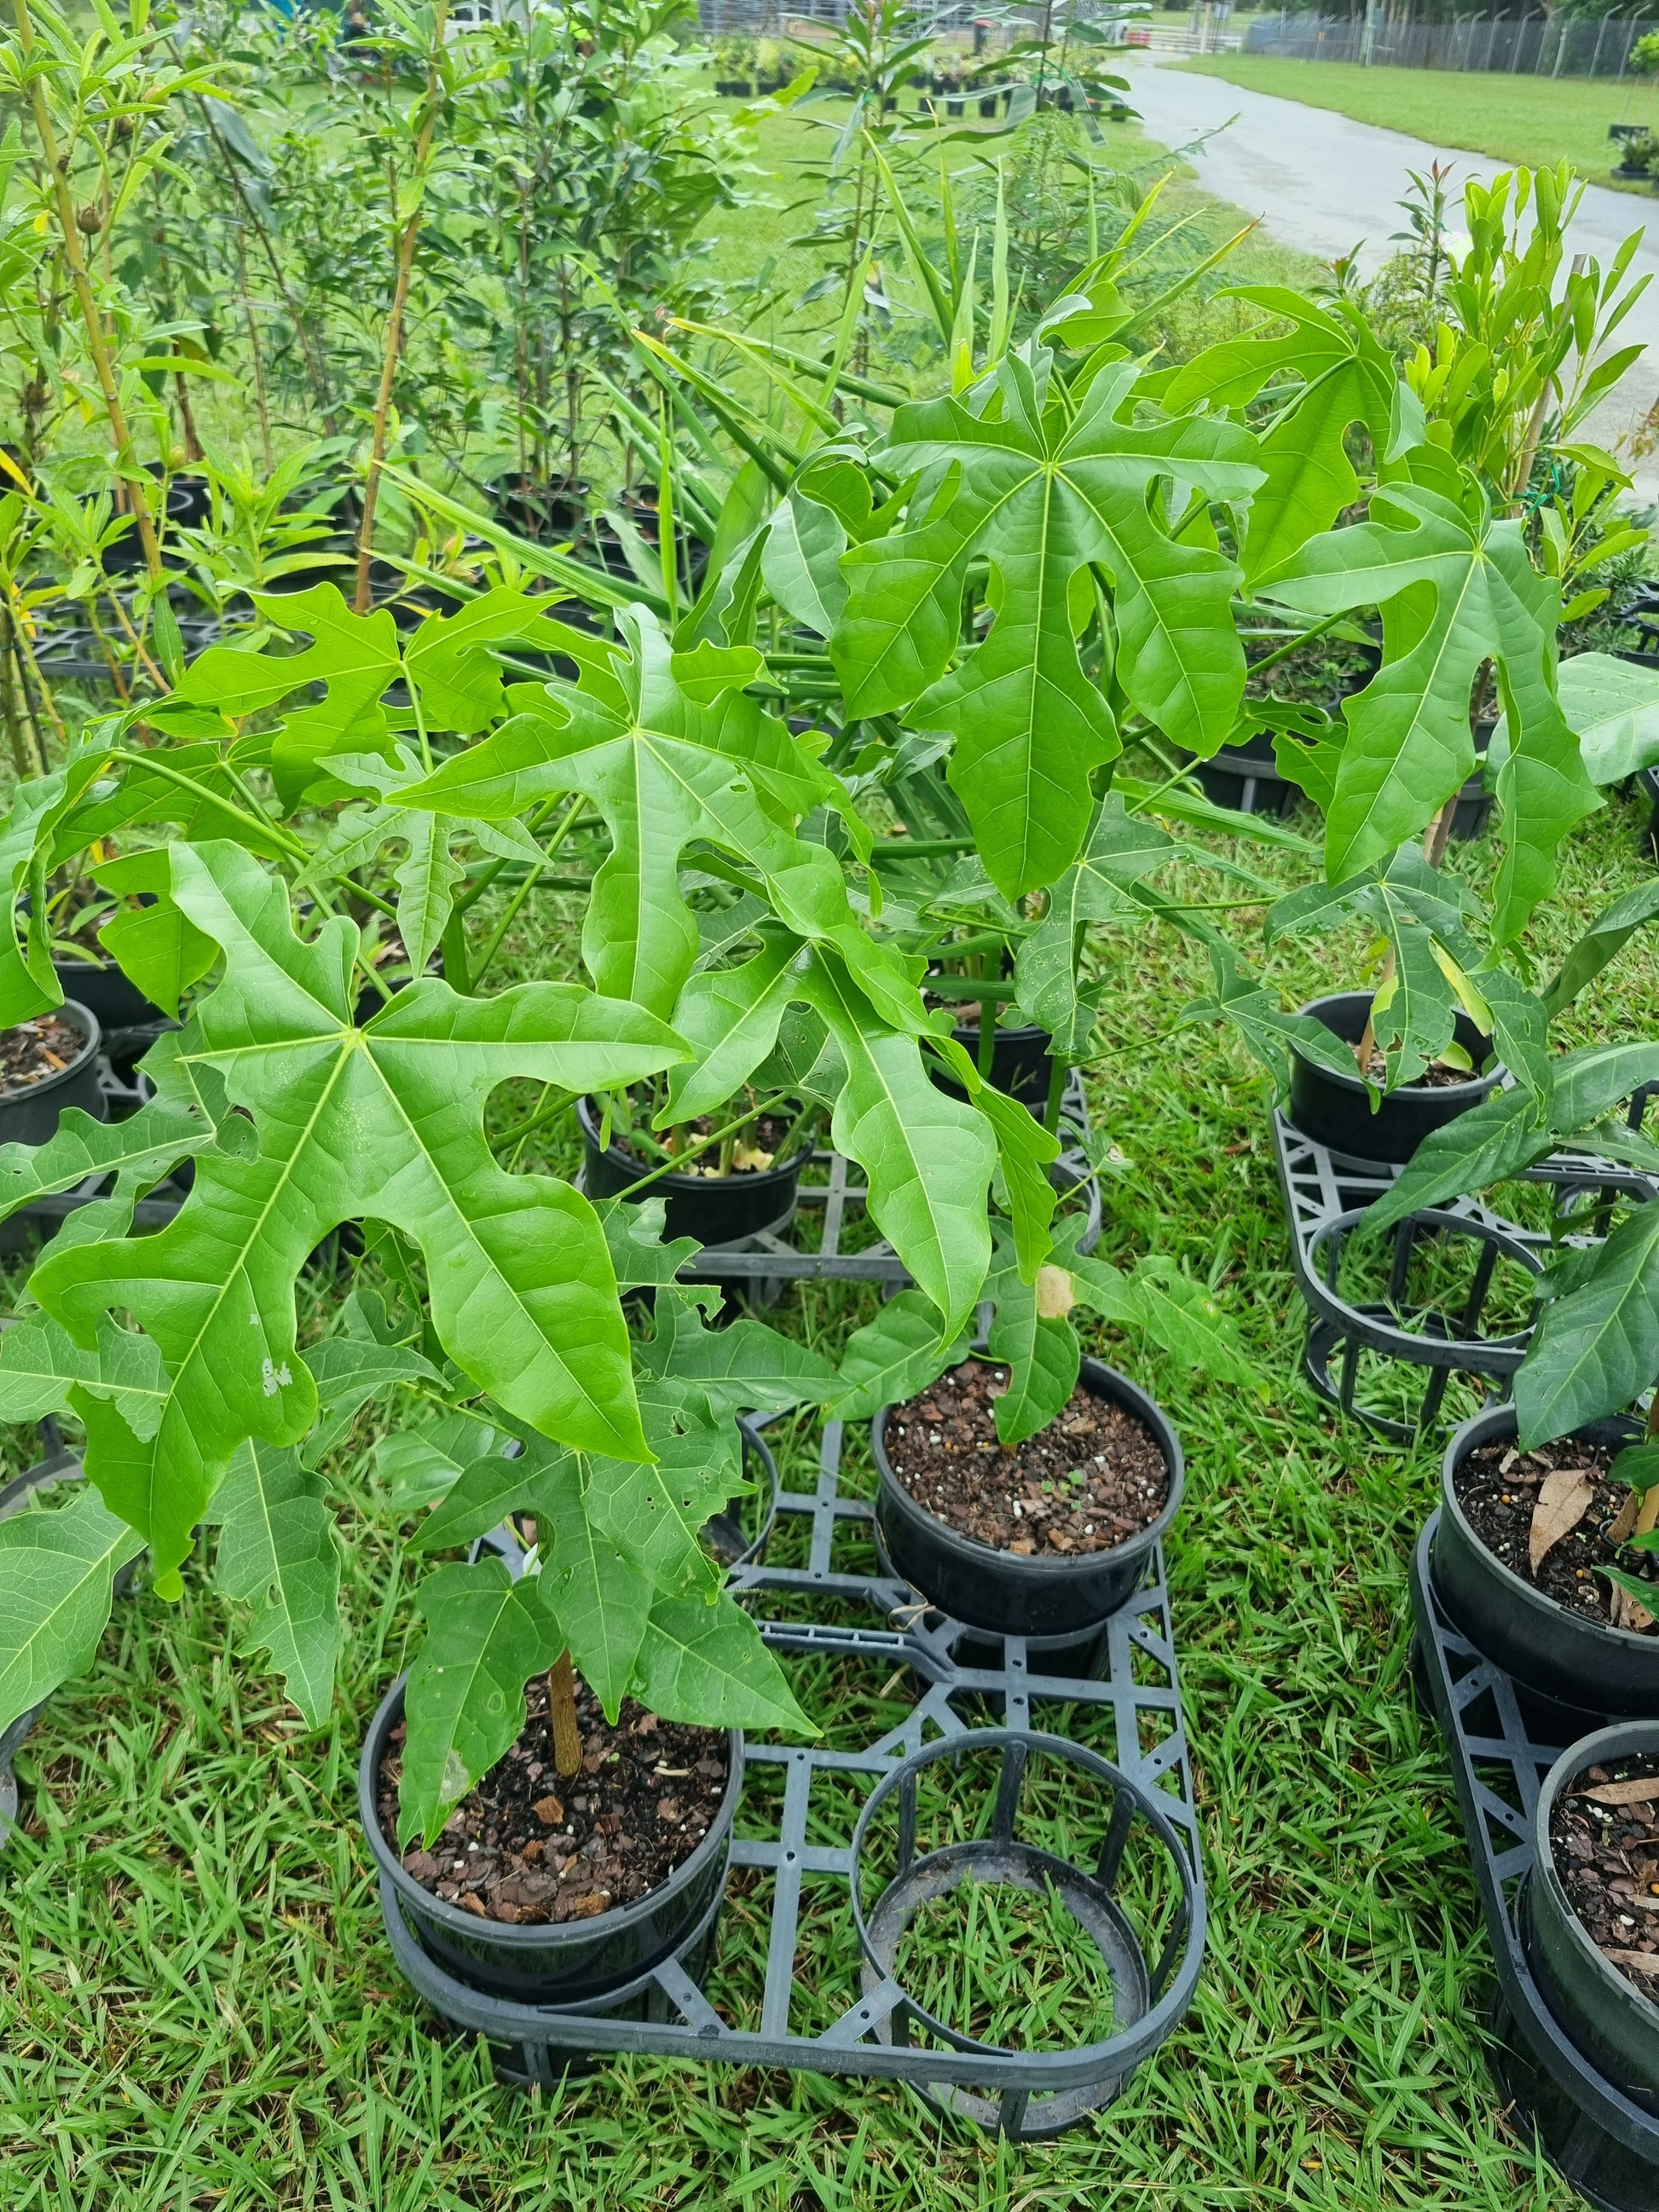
(1045, 497)
(1613, 706)
(1597, 1347)
(58, 1570)
(663, 769)
(1346, 378)
(706, 1663)
(279, 1553)
(1454, 593)
(173, 1125)
(383, 1122)
(743, 1367)
(42, 1369)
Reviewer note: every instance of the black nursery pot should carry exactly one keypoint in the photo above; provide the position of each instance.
(112, 998)
(1246, 778)
(30, 1117)
(570, 1962)
(1586, 1665)
(1002, 1591)
(1607, 2014)
(1335, 1109)
(714, 1209)
(1020, 1064)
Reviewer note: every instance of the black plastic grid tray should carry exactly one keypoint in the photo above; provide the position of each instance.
(1134, 1684)
(1325, 1194)
(1502, 1743)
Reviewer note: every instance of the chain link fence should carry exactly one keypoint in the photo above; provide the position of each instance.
(1514, 46)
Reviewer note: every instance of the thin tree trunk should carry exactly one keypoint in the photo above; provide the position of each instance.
(103, 367)
(562, 1710)
(394, 335)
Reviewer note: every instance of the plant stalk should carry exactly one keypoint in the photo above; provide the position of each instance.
(81, 279)
(394, 335)
(562, 1712)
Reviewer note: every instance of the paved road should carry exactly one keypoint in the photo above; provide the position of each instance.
(1326, 182)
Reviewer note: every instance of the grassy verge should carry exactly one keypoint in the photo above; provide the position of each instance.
(1532, 119)
(196, 2005)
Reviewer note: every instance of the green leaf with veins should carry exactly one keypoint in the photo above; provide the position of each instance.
(422, 1464)
(591, 1588)
(486, 1635)
(1048, 497)
(893, 1357)
(632, 1235)
(1346, 378)
(1487, 1144)
(1597, 1347)
(1454, 594)
(277, 1553)
(350, 1370)
(41, 1365)
(28, 836)
(483, 1493)
(384, 1123)
(168, 1128)
(1591, 1081)
(1266, 1029)
(1120, 848)
(156, 945)
(729, 1017)
(1605, 938)
(743, 1367)
(706, 1663)
(58, 1570)
(1041, 1353)
(663, 772)
(927, 1157)
(426, 884)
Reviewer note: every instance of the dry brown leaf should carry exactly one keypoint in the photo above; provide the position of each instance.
(1054, 1293)
(1622, 1526)
(1623, 1793)
(1627, 1614)
(1645, 1962)
(1564, 1498)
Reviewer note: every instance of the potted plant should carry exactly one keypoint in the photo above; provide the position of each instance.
(1589, 1900)
(1022, 1488)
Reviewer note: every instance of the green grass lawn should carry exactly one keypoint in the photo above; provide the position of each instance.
(1531, 119)
(197, 2008)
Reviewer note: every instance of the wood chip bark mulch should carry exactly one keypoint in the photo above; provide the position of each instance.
(36, 1049)
(1435, 1077)
(1604, 1838)
(1497, 1489)
(1095, 1476)
(524, 1846)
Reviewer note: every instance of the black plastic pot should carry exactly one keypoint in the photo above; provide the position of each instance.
(717, 1210)
(1020, 1065)
(29, 1117)
(1582, 1664)
(107, 994)
(1610, 2018)
(1246, 778)
(1335, 1109)
(1001, 1591)
(570, 1962)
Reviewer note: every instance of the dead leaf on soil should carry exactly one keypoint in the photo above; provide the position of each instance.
(1645, 1962)
(1563, 1501)
(1624, 1793)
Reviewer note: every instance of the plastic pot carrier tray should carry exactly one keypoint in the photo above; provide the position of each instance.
(1326, 1192)
(1502, 1743)
(986, 1735)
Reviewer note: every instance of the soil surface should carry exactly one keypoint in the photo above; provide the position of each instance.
(1435, 1077)
(36, 1049)
(755, 1150)
(1497, 1490)
(1093, 1477)
(524, 1846)
(1608, 1858)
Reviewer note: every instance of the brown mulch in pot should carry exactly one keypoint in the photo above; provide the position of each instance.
(1093, 1477)
(1497, 1488)
(36, 1049)
(526, 1846)
(1604, 1839)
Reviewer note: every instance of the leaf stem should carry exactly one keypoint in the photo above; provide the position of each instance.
(562, 1712)
(532, 877)
(703, 1144)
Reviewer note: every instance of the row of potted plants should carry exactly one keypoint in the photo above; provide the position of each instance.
(876, 764)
